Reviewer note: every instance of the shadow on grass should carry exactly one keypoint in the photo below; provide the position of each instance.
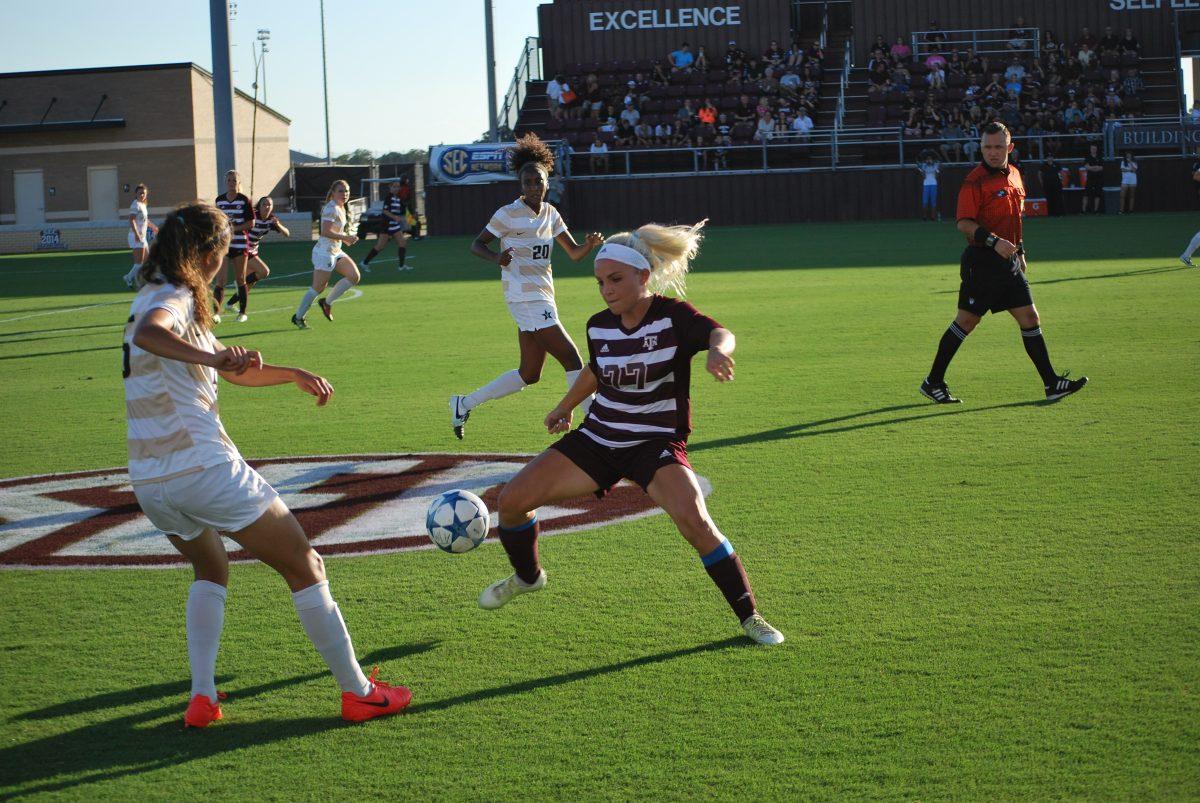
(1090, 277)
(129, 745)
(114, 346)
(58, 329)
(822, 427)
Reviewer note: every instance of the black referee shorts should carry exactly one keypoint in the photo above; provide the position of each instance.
(988, 283)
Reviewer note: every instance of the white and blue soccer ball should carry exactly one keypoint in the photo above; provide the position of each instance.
(457, 521)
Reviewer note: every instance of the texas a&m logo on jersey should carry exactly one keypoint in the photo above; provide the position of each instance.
(348, 505)
(650, 342)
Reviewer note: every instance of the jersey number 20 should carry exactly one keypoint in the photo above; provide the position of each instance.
(541, 251)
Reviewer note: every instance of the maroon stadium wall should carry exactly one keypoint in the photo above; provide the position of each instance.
(583, 31)
(739, 200)
(1151, 20)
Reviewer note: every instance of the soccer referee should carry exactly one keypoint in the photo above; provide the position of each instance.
(993, 267)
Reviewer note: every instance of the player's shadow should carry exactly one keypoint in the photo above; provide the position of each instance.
(154, 738)
(110, 346)
(823, 426)
(1089, 277)
(59, 329)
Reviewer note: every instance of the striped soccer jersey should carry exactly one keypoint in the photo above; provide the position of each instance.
(531, 237)
(259, 230)
(644, 373)
(171, 406)
(394, 205)
(239, 211)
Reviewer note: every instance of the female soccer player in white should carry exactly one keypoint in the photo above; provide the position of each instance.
(237, 208)
(192, 482)
(327, 256)
(641, 349)
(527, 229)
(139, 222)
(250, 268)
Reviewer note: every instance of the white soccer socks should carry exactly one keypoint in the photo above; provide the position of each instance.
(504, 385)
(205, 619)
(339, 288)
(310, 295)
(326, 629)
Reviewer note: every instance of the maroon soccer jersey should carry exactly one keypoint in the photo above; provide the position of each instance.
(644, 373)
(240, 211)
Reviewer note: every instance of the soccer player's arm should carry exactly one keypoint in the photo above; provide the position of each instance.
(258, 374)
(480, 246)
(327, 231)
(133, 222)
(156, 335)
(282, 229)
(559, 419)
(575, 251)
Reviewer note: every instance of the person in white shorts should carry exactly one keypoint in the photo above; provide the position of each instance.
(192, 482)
(139, 222)
(527, 229)
(327, 256)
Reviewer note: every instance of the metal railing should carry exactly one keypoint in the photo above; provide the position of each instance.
(847, 64)
(529, 68)
(980, 40)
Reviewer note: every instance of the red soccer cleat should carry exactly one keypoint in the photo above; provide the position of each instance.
(202, 712)
(383, 700)
(326, 309)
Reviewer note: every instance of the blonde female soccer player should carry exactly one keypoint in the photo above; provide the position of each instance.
(250, 268)
(192, 482)
(327, 256)
(640, 353)
(139, 222)
(527, 229)
(238, 209)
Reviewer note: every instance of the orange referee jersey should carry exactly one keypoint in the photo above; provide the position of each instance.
(993, 199)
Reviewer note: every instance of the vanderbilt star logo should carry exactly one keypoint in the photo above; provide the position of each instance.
(547, 315)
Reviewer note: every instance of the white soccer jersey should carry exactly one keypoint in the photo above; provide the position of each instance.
(171, 406)
(930, 173)
(531, 237)
(335, 214)
(141, 216)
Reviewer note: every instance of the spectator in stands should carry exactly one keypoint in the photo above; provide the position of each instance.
(794, 58)
(643, 134)
(900, 51)
(599, 157)
(934, 59)
(722, 141)
(554, 93)
(735, 57)
(753, 71)
(879, 74)
(660, 74)
(1129, 168)
(1131, 84)
(929, 169)
(936, 78)
(1110, 42)
(1019, 38)
(593, 97)
(765, 128)
(625, 134)
(701, 63)
(802, 125)
(934, 34)
(1194, 114)
(1094, 167)
(1072, 115)
(681, 60)
(609, 126)
(685, 115)
(880, 43)
(570, 102)
(816, 53)
(789, 82)
(952, 137)
(1112, 98)
(707, 112)
(630, 115)
(663, 133)
(1086, 55)
(1051, 186)
(744, 112)
(1012, 86)
(1015, 69)
(1129, 43)
(1050, 43)
(971, 142)
(773, 55)
(1085, 38)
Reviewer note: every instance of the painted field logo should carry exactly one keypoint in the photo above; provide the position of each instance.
(348, 505)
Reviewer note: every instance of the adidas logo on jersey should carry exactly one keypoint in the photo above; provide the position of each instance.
(666, 453)
(604, 349)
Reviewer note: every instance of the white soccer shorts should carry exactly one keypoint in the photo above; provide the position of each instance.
(228, 497)
(533, 315)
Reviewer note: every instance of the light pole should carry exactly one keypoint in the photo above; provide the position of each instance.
(260, 60)
(264, 36)
(325, 87)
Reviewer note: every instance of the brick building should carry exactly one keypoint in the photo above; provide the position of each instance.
(74, 144)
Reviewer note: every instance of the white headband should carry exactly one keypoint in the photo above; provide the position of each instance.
(623, 254)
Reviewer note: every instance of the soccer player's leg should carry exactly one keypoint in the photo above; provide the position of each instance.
(321, 272)
(381, 241)
(550, 477)
(241, 268)
(1186, 256)
(1026, 316)
(675, 489)
(533, 358)
(345, 268)
(402, 239)
(556, 341)
(277, 539)
(205, 620)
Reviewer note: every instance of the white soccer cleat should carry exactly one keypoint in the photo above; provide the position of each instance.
(242, 317)
(1186, 260)
(216, 318)
(759, 630)
(501, 591)
(458, 416)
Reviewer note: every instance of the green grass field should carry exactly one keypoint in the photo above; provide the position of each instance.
(999, 600)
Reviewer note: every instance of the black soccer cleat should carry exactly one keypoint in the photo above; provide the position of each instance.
(325, 308)
(1063, 386)
(458, 416)
(299, 323)
(939, 393)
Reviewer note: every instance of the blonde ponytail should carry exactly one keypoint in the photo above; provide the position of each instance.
(668, 249)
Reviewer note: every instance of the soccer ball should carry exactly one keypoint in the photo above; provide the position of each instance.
(457, 521)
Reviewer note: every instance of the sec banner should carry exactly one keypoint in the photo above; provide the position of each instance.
(470, 164)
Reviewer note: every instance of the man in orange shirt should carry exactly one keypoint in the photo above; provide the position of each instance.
(993, 268)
